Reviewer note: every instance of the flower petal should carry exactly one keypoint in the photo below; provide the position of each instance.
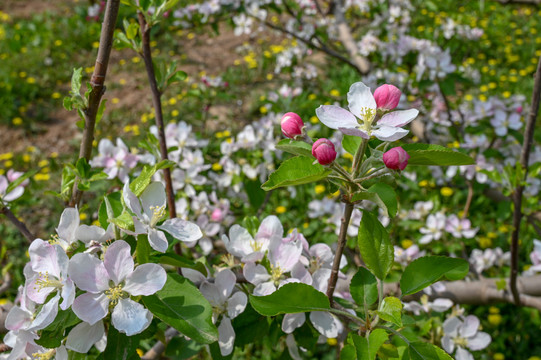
(236, 304)
(469, 327)
(43, 257)
(360, 98)
(91, 307)
(354, 132)
(46, 315)
(226, 339)
(335, 117)
(181, 229)
(225, 281)
(239, 241)
(130, 317)
(255, 274)
(271, 229)
(17, 319)
(398, 118)
(88, 273)
(157, 240)
(212, 294)
(463, 354)
(153, 197)
(131, 201)
(118, 261)
(83, 336)
(479, 341)
(87, 233)
(292, 322)
(327, 324)
(68, 294)
(69, 222)
(389, 133)
(145, 280)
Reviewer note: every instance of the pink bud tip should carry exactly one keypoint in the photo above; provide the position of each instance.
(217, 215)
(387, 97)
(291, 125)
(323, 151)
(396, 158)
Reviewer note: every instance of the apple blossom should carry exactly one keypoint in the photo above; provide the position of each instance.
(291, 125)
(387, 97)
(461, 334)
(323, 150)
(396, 158)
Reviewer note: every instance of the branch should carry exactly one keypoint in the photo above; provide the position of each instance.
(517, 196)
(98, 88)
(157, 350)
(531, 2)
(6, 283)
(481, 292)
(18, 224)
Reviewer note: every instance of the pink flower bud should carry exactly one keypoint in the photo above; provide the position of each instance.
(291, 125)
(217, 215)
(323, 151)
(396, 158)
(519, 109)
(387, 97)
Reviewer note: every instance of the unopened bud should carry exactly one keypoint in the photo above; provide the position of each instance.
(323, 151)
(387, 97)
(396, 158)
(291, 125)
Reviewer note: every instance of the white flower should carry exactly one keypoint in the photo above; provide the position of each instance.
(433, 230)
(463, 334)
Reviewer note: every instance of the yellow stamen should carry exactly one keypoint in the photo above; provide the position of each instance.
(45, 281)
(158, 212)
(114, 294)
(44, 356)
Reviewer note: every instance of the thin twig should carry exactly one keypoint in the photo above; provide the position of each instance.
(98, 88)
(348, 210)
(517, 196)
(468, 200)
(156, 101)
(6, 283)
(156, 351)
(18, 224)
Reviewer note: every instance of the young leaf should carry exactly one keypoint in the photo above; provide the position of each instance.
(368, 348)
(364, 287)
(141, 182)
(425, 351)
(430, 154)
(375, 245)
(370, 196)
(290, 299)
(391, 310)
(351, 143)
(180, 305)
(387, 194)
(76, 81)
(296, 171)
(295, 147)
(427, 270)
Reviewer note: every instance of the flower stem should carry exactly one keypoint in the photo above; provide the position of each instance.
(348, 210)
(358, 159)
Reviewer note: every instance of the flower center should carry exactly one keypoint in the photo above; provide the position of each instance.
(114, 294)
(367, 115)
(256, 246)
(460, 341)
(54, 240)
(158, 212)
(276, 274)
(44, 356)
(45, 281)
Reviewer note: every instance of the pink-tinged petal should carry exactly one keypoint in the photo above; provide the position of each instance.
(255, 274)
(14, 194)
(118, 261)
(236, 304)
(131, 201)
(292, 322)
(389, 133)
(299, 272)
(69, 222)
(271, 229)
(463, 354)
(17, 319)
(322, 252)
(286, 255)
(88, 273)
(264, 289)
(63, 261)
(43, 257)
(91, 307)
(327, 324)
(145, 280)
(470, 326)
(360, 98)
(447, 344)
(354, 132)
(253, 257)
(157, 240)
(153, 197)
(83, 336)
(225, 281)
(212, 294)
(479, 341)
(321, 279)
(46, 315)
(87, 233)
(36, 293)
(68, 294)
(399, 118)
(441, 305)
(239, 241)
(181, 229)
(335, 117)
(226, 338)
(130, 317)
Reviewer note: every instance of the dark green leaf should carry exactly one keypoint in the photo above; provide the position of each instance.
(179, 261)
(351, 143)
(364, 287)
(256, 195)
(387, 194)
(425, 351)
(52, 336)
(290, 299)
(296, 171)
(430, 154)
(295, 147)
(375, 245)
(120, 346)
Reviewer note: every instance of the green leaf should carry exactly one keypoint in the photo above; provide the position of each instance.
(100, 112)
(123, 221)
(51, 337)
(429, 269)
(370, 196)
(142, 249)
(68, 103)
(256, 195)
(375, 245)
(391, 310)
(351, 143)
(120, 346)
(296, 171)
(132, 30)
(83, 168)
(348, 353)
(430, 154)
(250, 326)
(425, 351)
(110, 211)
(12, 185)
(290, 299)
(295, 147)
(387, 194)
(364, 287)
(179, 261)
(180, 305)
(139, 185)
(76, 81)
